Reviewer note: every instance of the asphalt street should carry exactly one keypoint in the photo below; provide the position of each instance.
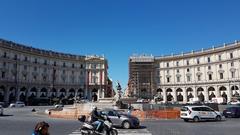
(21, 121)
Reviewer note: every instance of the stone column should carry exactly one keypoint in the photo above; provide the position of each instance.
(6, 95)
(103, 93)
(195, 95)
(164, 95)
(184, 95)
(206, 95)
(217, 91)
(174, 94)
(17, 94)
(229, 93)
(99, 94)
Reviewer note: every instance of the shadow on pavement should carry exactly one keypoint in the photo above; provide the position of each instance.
(4, 115)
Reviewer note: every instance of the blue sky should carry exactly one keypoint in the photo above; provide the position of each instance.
(120, 28)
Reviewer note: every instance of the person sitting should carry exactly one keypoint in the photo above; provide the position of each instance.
(41, 129)
(95, 117)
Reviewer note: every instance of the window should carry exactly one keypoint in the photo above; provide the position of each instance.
(232, 64)
(167, 71)
(233, 74)
(187, 62)
(219, 57)
(25, 77)
(64, 71)
(4, 64)
(3, 74)
(188, 69)
(26, 59)
(221, 75)
(55, 63)
(188, 78)
(209, 59)
(35, 68)
(45, 70)
(210, 77)
(209, 67)
(167, 64)
(198, 68)
(5, 55)
(44, 78)
(220, 65)
(178, 79)
(231, 55)
(64, 65)
(199, 77)
(73, 65)
(198, 61)
(81, 66)
(177, 70)
(45, 62)
(168, 79)
(35, 61)
(35, 77)
(15, 57)
(177, 63)
(25, 67)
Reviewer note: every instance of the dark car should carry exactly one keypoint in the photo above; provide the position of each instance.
(121, 120)
(233, 112)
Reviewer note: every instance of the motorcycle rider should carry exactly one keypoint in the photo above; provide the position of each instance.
(95, 117)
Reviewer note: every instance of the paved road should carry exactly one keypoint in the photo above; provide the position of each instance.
(21, 121)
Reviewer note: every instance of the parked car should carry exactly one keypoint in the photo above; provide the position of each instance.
(197, 113)
(121, 120)
(59, 106)
(1, 110)
(233, 112)
(17, 104)
(219, 100)
(235, 102)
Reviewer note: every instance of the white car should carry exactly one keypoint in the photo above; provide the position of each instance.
(236, 102)
(1, 110)
(17, 104)
(197, 113)
(59, 106)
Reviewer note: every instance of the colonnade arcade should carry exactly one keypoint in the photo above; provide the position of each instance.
(11, 94)
(204, 93)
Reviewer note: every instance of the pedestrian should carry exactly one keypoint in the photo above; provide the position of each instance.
(130, 108)
(41, 129)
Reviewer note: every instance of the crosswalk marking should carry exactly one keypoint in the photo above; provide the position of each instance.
(122, 132)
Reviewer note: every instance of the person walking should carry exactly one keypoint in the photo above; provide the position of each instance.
(41, 129)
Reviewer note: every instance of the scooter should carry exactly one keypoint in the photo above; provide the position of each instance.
(106, 127)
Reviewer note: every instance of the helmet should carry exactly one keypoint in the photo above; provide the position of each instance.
(94, 108)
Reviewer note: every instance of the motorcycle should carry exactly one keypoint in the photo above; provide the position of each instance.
(106, 127)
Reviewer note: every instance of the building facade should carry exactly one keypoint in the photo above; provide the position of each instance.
(205, 74)
(27, 72)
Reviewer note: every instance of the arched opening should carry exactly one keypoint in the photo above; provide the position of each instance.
(200, 94)
(94, 95)
(22, 93)
(12, 94)
(211, 93)
(235, 91)
(62, 93)
(169, 95)
(53, 93)
(159, 95)
(179, 94)
(189, 93)
(2, 93)
(43, 92)
(223, 91)
(71, 93)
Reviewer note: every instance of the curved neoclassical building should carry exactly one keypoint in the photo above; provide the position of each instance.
(205, 74)
(27, 72)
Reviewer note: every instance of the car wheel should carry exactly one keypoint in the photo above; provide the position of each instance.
(196, 119)
(186, 120)
(126, 125)
(218, 118)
